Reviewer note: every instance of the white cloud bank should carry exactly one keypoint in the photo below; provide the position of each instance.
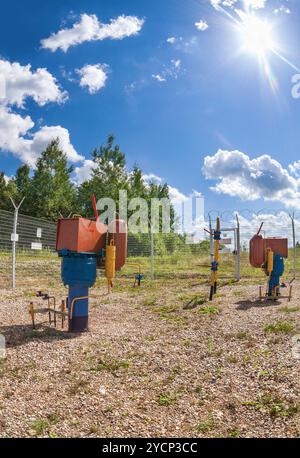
(89, 28)
(20, 82)
(93, 77)
(251, 179)
(16, 137)
(84, 172)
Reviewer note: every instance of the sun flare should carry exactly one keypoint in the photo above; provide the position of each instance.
(256, 35)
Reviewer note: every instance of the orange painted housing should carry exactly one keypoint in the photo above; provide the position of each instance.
(260, 245)
(81, 235)
(257, 251)
(86, 236)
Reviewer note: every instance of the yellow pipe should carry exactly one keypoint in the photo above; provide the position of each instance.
(134, 264)
(110, 264)
(32, 313)
(270, 261)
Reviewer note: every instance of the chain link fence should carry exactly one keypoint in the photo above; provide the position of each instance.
(157, 256)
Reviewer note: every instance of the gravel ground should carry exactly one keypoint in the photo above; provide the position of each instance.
(149, 367)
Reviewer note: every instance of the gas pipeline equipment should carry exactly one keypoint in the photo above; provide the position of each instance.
(216, 234)
(84, 246)
(269, 254)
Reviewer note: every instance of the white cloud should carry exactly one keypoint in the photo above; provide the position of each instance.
(171, 40)
(16, 137)
(170, 71)
(295, 169)
(93, 77)
(201, 25)
(282, 9)
(89, 28)
(256, 4)
(176, 63)
(251, 179)
(248, 4)
(21, 82)
(215, 3)
(159, 78)
(176, 196)
(84, 172)
(152, 178)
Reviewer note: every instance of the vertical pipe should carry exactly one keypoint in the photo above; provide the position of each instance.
(211, 240)
(238, 252)
(13, 272)
(215, 262)
(294, 245)
(152, 252)
(16, 212)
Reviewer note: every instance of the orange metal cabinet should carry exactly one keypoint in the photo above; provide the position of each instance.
(259, 247)
(81, 235)
(278, 245)
(257, 251)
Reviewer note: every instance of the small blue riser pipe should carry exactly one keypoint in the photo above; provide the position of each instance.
(80, 316)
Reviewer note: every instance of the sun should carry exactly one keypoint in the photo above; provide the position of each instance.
(256, 35)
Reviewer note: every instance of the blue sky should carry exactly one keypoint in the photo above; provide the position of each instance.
(174, 93)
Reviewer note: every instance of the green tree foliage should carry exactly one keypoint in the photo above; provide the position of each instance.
(51, 191)
(108, 176)
(23, 189)
(7, 190)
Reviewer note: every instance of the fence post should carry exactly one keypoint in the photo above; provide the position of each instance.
(152, 252)
(14, 240)
(294, 246)
(238, 250)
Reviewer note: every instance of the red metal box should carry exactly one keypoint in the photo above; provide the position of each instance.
(259, 246)
(81, 235)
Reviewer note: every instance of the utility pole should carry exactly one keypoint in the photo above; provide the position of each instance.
(14, 238)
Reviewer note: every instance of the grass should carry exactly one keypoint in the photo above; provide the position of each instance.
(110, 365)
(242, 335)
(166, 399)
(287, 309)
(170, 314)
(194, 300)
(280, 327)
(209, 310)
(274, 406)
(42, 426)
(204, 426)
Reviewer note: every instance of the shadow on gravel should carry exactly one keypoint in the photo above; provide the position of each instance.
(246, 305)
(17, 335)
